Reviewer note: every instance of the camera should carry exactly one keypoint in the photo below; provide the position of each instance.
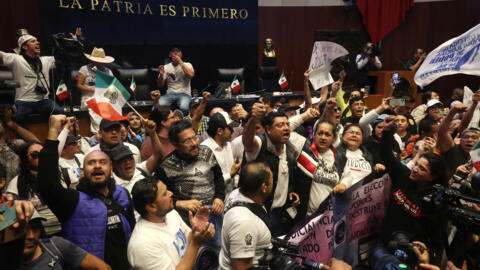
(373, 50)
(66, 48)
(41, 90)
(398, 255)
(283, 255)
(449, 202)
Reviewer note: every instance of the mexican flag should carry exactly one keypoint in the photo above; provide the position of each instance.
(236, 86)
(283, 81)
(62, 91)
(475, 155)
(133, 86)
(109, 97)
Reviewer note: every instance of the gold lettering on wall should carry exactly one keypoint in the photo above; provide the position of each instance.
(224, 13)
(128, 8)
(61, 5)
(94, 3)
(173, 11)
(106, 6)
(185, 11)
(233, 14)
(243, 13)
(213, 14)
(147, 10)
(77, 3)
(116, 2)
(195, 12)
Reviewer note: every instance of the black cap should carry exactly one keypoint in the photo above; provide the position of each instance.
(71, 139)
(175, 46)
(119, 152)
(287, 107)
(104, 124)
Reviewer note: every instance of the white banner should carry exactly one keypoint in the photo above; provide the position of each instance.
(324, 52)
(458, 55)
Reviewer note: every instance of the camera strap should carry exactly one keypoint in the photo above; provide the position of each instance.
(37, 67)
(256, 209)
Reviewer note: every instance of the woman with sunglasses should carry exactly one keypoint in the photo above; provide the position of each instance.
(25, 186)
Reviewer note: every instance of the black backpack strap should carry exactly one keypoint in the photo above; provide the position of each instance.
(256, 209)
(113, 204)
(143, 172)
(77, 161)
(66, 176)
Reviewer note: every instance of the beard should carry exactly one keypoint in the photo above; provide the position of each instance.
(98, 184)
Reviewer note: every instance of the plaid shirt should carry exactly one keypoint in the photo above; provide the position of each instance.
(202, 128)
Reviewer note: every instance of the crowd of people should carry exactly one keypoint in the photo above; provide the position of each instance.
(157, 193)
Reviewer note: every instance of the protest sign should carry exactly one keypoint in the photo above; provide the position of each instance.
(343, 221)
(457, 55)
(324, 52)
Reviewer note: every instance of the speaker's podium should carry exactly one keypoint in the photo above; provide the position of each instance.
(383, 84)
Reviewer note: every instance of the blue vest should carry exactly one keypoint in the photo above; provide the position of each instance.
(88, 224)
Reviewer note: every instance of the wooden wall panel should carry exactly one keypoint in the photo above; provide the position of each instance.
(427, 25)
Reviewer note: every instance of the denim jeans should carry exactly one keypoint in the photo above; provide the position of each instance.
(182, 100)
(43, 107)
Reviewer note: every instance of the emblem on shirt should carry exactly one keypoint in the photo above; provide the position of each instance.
(248, 239)
(198, 172)
(111, 93)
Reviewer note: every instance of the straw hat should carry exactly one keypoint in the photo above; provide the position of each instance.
(98, 55)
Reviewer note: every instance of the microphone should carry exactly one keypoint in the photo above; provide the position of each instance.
(312, 265)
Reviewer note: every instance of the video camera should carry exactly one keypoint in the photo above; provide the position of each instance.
(398, 255)
(283, 256)
(448, 201)
(66, 48)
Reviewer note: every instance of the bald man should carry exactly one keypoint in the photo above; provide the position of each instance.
(98, 216)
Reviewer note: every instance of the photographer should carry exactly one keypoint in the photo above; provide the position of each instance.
(404, 212)
(414, 63)
(245, 231)
(368, 60)
(32, 72)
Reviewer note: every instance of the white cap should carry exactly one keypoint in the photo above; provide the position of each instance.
(315, 100)
(23, 39)
(433, 102)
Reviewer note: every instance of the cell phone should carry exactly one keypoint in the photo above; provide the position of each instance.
(395, 78)
(7, 215)
(397, 102)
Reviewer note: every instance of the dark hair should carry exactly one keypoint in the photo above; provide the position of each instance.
(332, 125)
(267, 98)
(437, 168)
(176, 128)
(355, 99)
(425, 125)
(268, 119)
(143, 193)
(350, 126)
(426, 96)
(25, 183)
(347, 94)
(159, 114)
(216, 121)
(252, 176)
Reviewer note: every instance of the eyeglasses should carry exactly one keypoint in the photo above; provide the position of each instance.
(189, 141)
(34, 154)
(351, 132)
(473, 137)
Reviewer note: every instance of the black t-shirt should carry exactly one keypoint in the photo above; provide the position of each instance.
(410, 62)
(350, 119)
(455, 157)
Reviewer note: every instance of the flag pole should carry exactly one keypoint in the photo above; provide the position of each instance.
(135, 111)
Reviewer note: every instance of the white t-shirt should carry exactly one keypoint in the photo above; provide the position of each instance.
(89, 72)
(74, 169)
(237, 147)
(27, 77)
(356, 168)
(224, 156)
(281, 190)
(244, 235)
(177, 80)
(133, 148)
(324, 179)
(158, 246)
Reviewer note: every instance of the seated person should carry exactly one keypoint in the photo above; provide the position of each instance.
(177, 76)
(414, 63)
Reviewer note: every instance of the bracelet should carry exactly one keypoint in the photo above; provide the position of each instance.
(182, 64)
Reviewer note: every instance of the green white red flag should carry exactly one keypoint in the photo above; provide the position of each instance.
(133, 86)
(283, 81)
(62, 91)
(109, 97)
(475, 155)
(235, 86)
